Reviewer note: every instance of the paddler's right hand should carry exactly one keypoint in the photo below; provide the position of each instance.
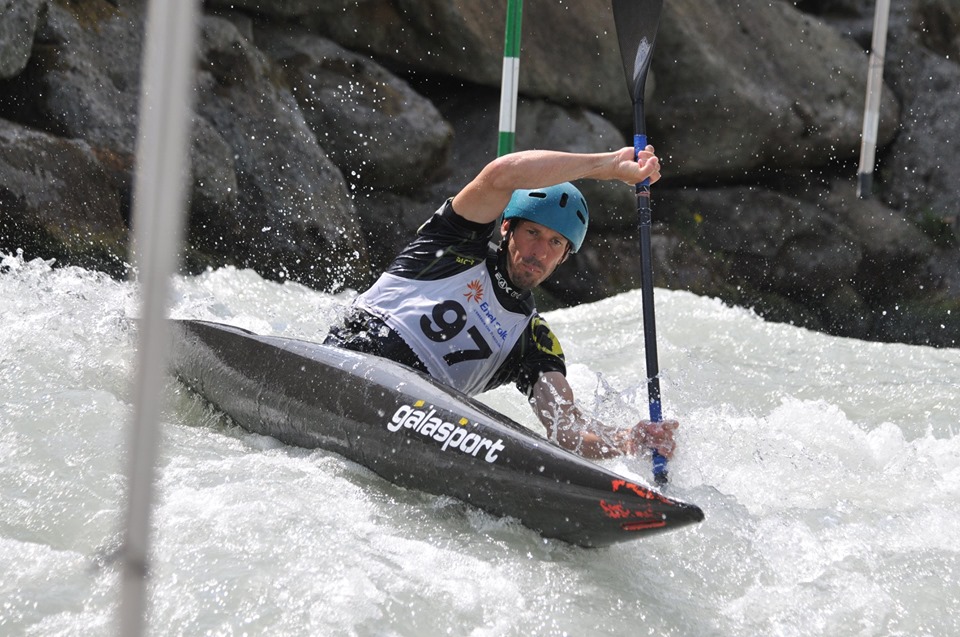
(654, 435)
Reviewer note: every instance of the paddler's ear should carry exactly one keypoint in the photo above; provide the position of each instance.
(504, 228)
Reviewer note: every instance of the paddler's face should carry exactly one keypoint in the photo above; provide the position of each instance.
(533, 252)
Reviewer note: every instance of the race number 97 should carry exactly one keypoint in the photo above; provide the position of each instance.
(445, 322)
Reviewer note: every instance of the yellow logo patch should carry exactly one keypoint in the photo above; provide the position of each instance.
(545, 340)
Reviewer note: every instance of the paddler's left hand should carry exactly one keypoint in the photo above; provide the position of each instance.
(650, 435)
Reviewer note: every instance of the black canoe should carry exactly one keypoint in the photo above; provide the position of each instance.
(414, 432)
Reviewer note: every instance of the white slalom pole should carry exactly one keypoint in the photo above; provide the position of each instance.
(511, 77)
(166, 100)
(871, 113)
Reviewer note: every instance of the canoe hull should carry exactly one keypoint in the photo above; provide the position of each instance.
(414, 432)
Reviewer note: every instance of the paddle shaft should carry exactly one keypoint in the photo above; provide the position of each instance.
(644, 218)
(637, 22)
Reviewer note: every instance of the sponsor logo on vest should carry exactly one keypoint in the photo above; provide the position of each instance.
(493, 322)
(428, 424)
(506, 287)
(474, 290)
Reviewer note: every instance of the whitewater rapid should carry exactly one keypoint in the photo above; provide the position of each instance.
(828, 469)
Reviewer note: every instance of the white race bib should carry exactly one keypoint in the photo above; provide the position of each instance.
(455, 325)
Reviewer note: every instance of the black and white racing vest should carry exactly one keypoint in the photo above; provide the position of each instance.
(456, 325)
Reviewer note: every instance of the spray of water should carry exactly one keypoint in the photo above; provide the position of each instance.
(829, 471)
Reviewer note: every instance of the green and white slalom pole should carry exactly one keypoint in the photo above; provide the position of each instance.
(510, 81)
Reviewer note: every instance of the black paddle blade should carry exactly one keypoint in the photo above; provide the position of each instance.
(637, 22)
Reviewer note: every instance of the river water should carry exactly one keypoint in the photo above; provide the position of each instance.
(828, 469)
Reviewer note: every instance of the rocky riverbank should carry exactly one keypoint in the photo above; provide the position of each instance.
(325, 133)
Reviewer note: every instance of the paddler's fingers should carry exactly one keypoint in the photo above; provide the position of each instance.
(633, 169)
(656, 435)
(649, 164)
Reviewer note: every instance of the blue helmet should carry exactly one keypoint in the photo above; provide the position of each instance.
(561, 208)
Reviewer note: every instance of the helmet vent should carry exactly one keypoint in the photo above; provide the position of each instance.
(582, 218)
(539, 195)
(563, 200)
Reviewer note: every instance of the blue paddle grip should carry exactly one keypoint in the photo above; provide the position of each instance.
(639, 143)
(659, 461)
(659, 468)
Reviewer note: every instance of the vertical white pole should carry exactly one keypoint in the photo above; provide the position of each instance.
(166, 101)
(871, 114)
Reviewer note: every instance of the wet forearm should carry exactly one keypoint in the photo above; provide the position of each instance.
(539, 168)
(582, 434)
(588, 443)
(484, 198)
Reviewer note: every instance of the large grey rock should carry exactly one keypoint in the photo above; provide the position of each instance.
(294, 218)
(372, 124)
(569, 52)
(272, 8)
(757, 86)
(83, 82)
(937, 25)
(264, 194)
(214, 196)
(18, 23)
(773, 242)
(920, 172)
(888, 243)
(748, 89)
(57, 201)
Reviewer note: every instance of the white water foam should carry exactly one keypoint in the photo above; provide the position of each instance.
(828, 468)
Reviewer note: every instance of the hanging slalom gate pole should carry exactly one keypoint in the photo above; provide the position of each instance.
(166, 98)
(510, 80)
(871, 113)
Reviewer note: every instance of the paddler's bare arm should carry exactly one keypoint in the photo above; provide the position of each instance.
(572, 429)
(484, 198)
